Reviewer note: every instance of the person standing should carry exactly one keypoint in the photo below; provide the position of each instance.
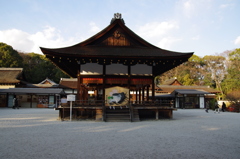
(216, 108)
(223, 106)
(207, 106)
(15, 103)
(14, 99)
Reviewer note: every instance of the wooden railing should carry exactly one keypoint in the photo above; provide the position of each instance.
(158, 103)
(89, 103)
(102, 103)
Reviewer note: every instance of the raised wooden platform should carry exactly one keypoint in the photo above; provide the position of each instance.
(106, 113)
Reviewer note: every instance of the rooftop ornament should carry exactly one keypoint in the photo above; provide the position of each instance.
(117, 16)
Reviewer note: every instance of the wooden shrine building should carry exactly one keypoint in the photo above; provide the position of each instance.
(115, 58)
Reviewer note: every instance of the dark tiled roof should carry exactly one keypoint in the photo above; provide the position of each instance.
(42, 86)
(191, 91)
(101, 47)
(170, 89)
(10, 75)
(117, 51)
(32, 91)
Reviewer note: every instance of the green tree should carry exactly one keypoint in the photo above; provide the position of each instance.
(9, 57)
(37, 68)
(216, 67)
(187, 81)
(232, 80)
(189, 73)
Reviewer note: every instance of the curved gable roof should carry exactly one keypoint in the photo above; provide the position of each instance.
(117, 26)
(115, 40)
(114, 44)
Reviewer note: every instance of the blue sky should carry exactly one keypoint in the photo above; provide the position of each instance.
(206, 27)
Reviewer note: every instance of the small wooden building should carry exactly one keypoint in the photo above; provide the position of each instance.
(12, 84)
(10, 78)
(185, 96)
(116, 56)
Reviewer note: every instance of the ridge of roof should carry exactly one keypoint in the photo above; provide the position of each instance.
(171, 81)
(50, 81)
(10, 69)
(68, 79)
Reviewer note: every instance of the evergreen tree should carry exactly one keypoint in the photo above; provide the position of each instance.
(9, 57)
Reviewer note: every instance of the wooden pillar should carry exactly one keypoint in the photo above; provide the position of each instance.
(143, 90)
(153, 82)
(96, 94)
(85, 93)
(104, 82)
(139, 95)
(129, 82)
(79, 82)
(153, 89)
(31, 101)
(147, 92)
(136, 96)
(157, 114)
(81, 88)
(184, 99)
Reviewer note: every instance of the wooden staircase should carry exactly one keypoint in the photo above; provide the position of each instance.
(135, 115)
(118, 114)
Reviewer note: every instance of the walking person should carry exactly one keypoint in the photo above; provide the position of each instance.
(223, 106)
(207, 107)
(216, 108)
(15, 103)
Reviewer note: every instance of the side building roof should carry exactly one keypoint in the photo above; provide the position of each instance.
(163, 89)
(11, 75)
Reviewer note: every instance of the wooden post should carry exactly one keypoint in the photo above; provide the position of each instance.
(129, 82)
(131, 112)
(31, 101)
(103, 93)
(78, 84)
(153, 89)
(147, 92)
(136, 96)
(157, 114)
(143, 92)
(104, 83)
(139, 95)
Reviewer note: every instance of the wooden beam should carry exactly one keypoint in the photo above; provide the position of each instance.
(104, 82)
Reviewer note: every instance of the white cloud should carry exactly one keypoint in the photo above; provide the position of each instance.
(16, 38)
(26, 42)
(167, 42)
(188, 5)
(94, 28)
(196, 37)
(159, 33)
(156, 29)
(237, 41)
(188, 8)
(191, 8)
(223, 6)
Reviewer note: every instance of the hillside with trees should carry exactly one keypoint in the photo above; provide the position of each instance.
(221, 72)
(35, 66)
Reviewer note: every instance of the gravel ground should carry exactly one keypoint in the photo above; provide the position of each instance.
(36, 133)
